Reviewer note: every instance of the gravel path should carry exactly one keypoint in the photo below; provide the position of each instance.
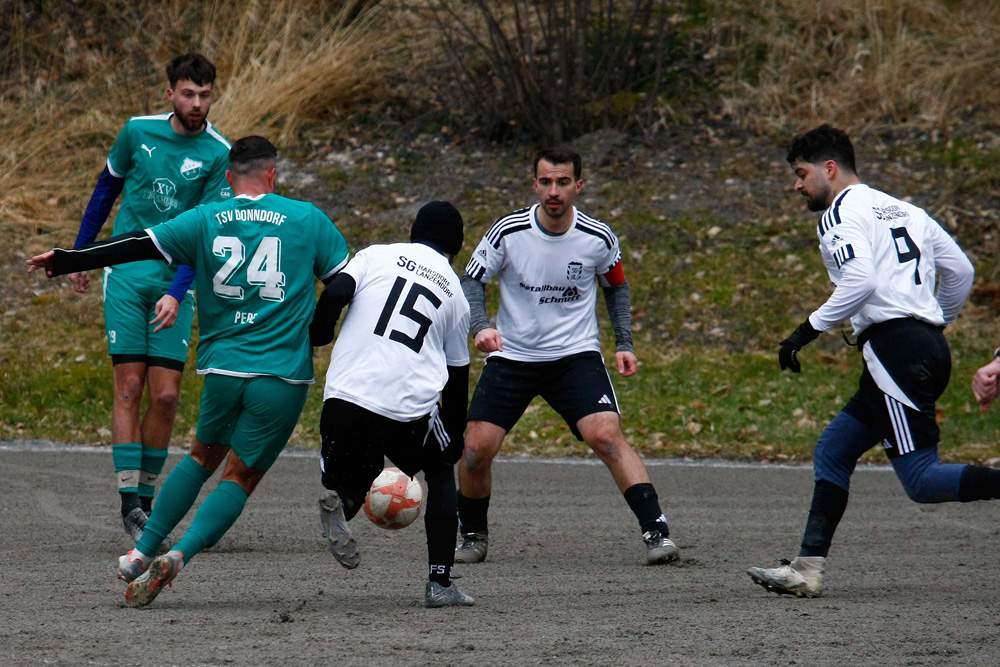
(564, 583)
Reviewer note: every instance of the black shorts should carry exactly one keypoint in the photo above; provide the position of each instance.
(356, 441)
(914, 356)
(575, 386)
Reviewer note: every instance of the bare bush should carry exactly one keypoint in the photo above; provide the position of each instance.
(554, 67)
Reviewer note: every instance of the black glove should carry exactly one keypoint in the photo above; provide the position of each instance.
(801, 337)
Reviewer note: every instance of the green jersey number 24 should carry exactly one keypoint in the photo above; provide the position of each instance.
(264, 268)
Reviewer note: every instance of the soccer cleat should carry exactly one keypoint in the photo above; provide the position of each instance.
(161, 573)
(131, 567)
(802, 577)
(135, 523)
(337, 532)
(659, 548)
(436, 595)
(472, 549)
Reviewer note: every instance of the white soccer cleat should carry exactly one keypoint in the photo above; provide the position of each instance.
(131, 566)
(161, 573)
(436, 595)
(135, 523)
(336, 531)
(802, 577)
(660, 548)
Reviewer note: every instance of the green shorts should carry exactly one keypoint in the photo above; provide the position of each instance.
(255, 416)
(129, 307)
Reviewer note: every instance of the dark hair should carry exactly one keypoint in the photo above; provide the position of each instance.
(560, 155)
(821, 144)
(251, 154)
(191, 67)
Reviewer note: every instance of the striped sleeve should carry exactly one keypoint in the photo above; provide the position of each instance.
(489, 255)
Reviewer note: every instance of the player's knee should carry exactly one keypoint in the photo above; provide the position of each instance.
(608, 446)
(165, 400)
(478, 456)
(482, 444)
(129, 389)
(920, 490)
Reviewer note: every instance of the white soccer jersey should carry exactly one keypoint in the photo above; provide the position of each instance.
(548, 283)
(901, 249)
(407, 322)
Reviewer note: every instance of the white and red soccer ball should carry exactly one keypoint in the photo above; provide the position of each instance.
(395, 499)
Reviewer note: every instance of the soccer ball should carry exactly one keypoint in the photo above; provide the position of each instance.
(395, 500)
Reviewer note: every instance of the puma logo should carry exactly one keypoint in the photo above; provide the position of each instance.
(149, 150)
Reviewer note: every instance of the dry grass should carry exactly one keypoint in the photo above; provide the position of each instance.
(74, 79)
(859, 63)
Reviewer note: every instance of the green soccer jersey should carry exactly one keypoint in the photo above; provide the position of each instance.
(165, 174)
(255, 259)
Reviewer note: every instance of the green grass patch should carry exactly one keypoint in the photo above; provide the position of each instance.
(710, 301)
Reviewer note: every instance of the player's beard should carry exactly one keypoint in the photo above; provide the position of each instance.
(558, 213)
(819, 201)
(189, 124)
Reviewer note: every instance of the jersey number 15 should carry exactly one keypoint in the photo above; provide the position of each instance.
(408, 311)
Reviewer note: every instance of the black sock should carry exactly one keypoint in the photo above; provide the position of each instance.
(978, 483)
(440, 574)
(643, 502)
(147, 504)
(130, 500)
(828, 505)
(472, 514)
(440, 519)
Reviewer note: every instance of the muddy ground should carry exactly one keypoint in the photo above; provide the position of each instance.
(564, 584)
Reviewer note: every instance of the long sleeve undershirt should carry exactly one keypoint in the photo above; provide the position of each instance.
(475, 294)
(618, 299)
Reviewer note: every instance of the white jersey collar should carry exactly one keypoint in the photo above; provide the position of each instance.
(546, 233)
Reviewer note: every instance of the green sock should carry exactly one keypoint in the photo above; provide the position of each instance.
(128, 459)
(178, 494)
(216, 515)
(152, 465)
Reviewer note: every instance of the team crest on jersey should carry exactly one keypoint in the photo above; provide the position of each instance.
(190, 169)
(574, 271)
(163, 194)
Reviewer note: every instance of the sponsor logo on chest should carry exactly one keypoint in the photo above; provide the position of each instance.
(164, 195)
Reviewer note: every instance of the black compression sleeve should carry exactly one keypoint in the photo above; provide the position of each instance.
(331, 302)
(131, 247)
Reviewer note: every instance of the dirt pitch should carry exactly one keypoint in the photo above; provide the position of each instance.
(564, 583)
